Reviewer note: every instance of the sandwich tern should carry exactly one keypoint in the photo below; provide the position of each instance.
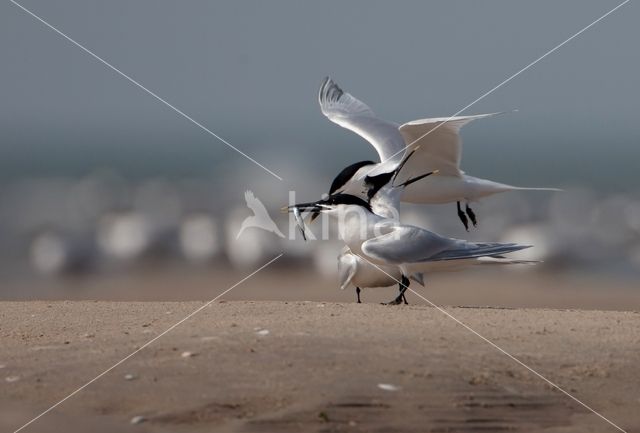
(437, 146)
(385, 242)
(360, 273)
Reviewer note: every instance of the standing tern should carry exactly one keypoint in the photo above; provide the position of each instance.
(385, 242)
(360, 273)
(436, 145)
(384, 200)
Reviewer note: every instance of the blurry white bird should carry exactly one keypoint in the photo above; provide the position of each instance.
(260, 218)
(435, 144)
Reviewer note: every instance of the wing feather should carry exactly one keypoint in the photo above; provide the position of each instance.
(406, 244)
(349, 112)
(409, 244)
(437, 144)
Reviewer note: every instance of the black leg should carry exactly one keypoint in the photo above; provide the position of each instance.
(404, 297)
(463, 217)
(404, 284)
(358, 293)
(472, 216)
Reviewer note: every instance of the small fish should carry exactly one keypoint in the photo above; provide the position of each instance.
(299, 222)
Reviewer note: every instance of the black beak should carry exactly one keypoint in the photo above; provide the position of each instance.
(417, 178)
(313, 207)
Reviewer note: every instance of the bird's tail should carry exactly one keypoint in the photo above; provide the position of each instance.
(505, 261)
(521, 188)
(488, 187)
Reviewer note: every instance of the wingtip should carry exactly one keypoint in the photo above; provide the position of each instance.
(329, 91)
(322, 91)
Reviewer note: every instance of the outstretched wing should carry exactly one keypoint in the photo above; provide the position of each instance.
(436, 143)
(254, 204)
(347, 111)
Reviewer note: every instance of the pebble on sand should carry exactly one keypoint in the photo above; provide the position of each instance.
(138, 419)
(388, 387)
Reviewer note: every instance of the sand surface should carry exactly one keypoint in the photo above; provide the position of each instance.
(308, 366)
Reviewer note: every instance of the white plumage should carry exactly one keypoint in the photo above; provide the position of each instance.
(434, 144)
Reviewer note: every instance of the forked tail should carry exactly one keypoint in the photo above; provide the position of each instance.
(521, 188)
(505, 261)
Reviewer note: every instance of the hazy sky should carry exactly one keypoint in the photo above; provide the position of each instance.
(249, 71)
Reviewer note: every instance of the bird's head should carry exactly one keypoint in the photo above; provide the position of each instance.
(330, 205)
(348, 174)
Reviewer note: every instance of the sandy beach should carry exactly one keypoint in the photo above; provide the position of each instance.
(243, 366)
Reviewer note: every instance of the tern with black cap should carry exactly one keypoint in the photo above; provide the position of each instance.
(436, 145)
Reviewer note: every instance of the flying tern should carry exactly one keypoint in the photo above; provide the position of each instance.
(436, 145)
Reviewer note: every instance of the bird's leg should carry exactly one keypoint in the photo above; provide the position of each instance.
(463, 217)
(358, 294)
(404, 284)
(404, 297)
(472, 216)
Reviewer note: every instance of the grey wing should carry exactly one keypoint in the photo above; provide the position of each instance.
(407, 244)
(347, 267)
(349, 112)
(472, 250)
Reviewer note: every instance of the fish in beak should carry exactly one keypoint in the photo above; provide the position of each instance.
(315, 208)
(299, 222)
